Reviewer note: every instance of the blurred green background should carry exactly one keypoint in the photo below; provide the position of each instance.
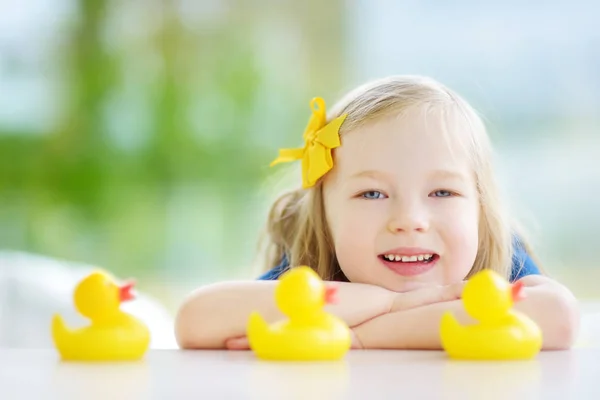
(136, 135)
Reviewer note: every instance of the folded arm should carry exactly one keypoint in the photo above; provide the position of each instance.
(548, 303)
(213, 314)
(216, 316)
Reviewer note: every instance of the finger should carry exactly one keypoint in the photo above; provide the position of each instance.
(237, 344)
(356, 344)
(240, 343)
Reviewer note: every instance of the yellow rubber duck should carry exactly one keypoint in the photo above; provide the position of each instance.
(112, 335)
(309, 333)
(501, 333)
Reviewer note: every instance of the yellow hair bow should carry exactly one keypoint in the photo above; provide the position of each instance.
(319, 139)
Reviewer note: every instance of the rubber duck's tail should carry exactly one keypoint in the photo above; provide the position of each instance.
(59, 331)
(258, 329)
(450, 330)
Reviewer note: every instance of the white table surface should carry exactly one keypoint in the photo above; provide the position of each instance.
(174, 374)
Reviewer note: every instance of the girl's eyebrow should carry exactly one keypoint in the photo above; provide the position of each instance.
(447, 174)
(433, 174)
(371, 173)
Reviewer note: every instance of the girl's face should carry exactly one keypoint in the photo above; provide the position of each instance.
(402, 206)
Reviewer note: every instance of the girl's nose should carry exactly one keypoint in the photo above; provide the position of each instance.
(409, 221)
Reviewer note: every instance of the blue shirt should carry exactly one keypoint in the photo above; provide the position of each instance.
(522, 265)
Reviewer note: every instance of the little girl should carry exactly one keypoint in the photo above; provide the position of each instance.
(399, 204)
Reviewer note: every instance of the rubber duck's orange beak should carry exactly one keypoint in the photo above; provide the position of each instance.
(330, 292)
(126, 291)
(517, 291)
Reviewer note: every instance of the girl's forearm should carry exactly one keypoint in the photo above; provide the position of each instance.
(417, 328)
(548, 304)
(218, 312)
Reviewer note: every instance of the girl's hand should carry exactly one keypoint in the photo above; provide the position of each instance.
(356, 344)
(237, 343)
(426, 296)
(241, 343)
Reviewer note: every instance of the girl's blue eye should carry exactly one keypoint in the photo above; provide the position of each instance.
(372, 195)
(442, 193)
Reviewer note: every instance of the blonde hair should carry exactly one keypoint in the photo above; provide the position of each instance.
(297, 226)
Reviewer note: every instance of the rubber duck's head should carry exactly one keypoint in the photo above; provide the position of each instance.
(488, 296)
(301, 291)
(98, 295)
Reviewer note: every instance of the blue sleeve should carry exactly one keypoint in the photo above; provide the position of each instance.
(275, 273)
(522, 263)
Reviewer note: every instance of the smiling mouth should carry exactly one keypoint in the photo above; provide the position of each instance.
(414, 259)
(409, 266)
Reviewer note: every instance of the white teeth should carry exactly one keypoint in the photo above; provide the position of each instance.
(397, 257)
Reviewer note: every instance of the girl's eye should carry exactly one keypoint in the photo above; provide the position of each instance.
(442, 193)
(372, 195)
